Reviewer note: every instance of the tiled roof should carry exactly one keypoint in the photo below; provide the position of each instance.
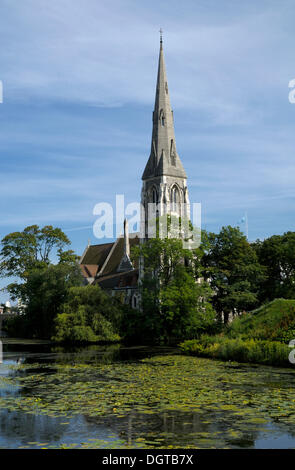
(96, 254)
(117, 254)
(89, 270)
(109, 256)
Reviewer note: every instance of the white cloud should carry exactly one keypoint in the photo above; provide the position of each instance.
(106, 53)
(228, 63)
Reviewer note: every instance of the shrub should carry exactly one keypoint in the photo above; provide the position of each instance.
(89, 315)
(251, 350)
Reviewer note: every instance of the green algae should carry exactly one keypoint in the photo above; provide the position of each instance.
(219, 402)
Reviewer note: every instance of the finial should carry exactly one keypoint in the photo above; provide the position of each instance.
(126, 238)
(161, 36)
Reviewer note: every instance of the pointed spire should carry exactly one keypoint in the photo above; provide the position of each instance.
(164, 159)
(126, 238)
(125, 263)
(161, 37)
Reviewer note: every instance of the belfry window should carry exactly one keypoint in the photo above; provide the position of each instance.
(174, 199)
(154, 196)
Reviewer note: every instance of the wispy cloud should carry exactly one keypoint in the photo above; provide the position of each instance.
(79, 83)
(104, 54)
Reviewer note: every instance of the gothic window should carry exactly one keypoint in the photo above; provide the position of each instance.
(175, 199)
(162, 117)
(172, 153)
(154, 196)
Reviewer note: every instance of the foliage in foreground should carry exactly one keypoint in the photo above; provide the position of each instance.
(250, 350)
(38, 283)
(260, 336)
(174, 305)
(43, 293)
(88, 315)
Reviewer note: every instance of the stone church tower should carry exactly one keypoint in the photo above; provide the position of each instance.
(164, 178)
(164, 184)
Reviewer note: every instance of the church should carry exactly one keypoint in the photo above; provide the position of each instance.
(164, 183)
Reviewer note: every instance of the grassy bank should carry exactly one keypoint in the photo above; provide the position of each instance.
(251, 350)
(274, 321)
(261, 336)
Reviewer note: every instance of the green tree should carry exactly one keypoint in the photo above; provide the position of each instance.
(44, 292)
(41, 285)
(173, 305)
(31, 249)
(277, 254)
(234, 270)
(88, 315)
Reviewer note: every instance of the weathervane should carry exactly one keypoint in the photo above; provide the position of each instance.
(161, 35)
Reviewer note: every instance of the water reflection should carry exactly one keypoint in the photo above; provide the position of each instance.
(201, 429)
(188, 430)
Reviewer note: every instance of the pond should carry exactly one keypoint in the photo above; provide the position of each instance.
(140, 397)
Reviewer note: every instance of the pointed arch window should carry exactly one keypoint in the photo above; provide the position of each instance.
(172, 153)
(175, 199)
(162, 117)
(154, 196)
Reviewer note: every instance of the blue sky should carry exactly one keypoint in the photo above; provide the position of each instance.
(79, 81)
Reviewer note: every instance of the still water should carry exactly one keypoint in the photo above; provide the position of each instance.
(119, 397)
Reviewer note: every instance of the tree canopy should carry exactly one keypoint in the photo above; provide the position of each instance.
(32, 248)
(88, 315)
(41, 285)
(181, 290)
(234, 271)
(277, 254)
(173, 304)
(44, 292)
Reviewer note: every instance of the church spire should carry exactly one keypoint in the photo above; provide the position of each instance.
(163, 159)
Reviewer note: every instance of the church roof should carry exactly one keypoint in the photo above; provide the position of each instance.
(164, 159)
(116, 255)
(96, 254)
(105, 260)
(89, 270)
